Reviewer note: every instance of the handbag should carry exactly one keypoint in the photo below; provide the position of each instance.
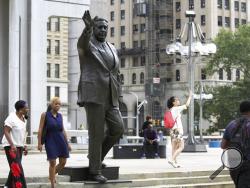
(44, 131)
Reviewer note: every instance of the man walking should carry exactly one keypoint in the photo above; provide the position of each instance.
(237, 134)
(99, 91)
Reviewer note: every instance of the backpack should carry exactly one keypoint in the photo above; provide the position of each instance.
(169, 120)
(241, 138)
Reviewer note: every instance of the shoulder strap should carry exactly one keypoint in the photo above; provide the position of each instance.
(175, 118)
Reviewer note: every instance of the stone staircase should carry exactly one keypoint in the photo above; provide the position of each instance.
(194, 179)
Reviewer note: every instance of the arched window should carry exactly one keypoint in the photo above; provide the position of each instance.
(142, 78)
(203, 74)
(229, 74)
(220, 74)
(133, 78)
(237, 74)
(122, 79)
(177, 75)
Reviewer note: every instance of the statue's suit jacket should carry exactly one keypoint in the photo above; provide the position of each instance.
(97, 82)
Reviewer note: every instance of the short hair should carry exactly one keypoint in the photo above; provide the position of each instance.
(148, 117)
(97, 19)
(20, 104)
(245, 106)
(55, 99)
(170, 102)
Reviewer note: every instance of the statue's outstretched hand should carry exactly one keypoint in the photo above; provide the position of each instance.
(87, 19)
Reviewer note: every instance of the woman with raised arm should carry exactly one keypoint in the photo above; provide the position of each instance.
(177, 131)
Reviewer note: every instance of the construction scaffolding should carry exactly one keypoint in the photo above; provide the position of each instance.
(159, 20)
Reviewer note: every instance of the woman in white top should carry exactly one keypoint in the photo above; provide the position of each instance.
(13, 143)
(177, 131)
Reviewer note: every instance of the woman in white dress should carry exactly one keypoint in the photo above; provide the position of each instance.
(177, 131)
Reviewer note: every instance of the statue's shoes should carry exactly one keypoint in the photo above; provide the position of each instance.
(99, 178)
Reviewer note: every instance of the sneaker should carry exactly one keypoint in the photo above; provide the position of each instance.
(143, 156)
(177, 165)
(156, 156)
(172, 163)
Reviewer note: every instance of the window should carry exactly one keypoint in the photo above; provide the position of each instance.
(133, 78)
(48, 70)
(220, 74)
(243, 7)
(203, 3)
(237, 74)
(135, 62)
(143, 28)
(123, 45)
(48, 46)
(191, 4)
(229, 74)
(57, 71)
(48, 93)
(177, 75)
(236, 22)
(236, 5)
(57, 92)
(143, 44)
(135, 28)
(122, 30)
(143, 60)
(112, 16)
(112, 2)
(123, 62)
(122, 1)
(243, 21)
(227, 21)
(203, 20)
(142, 78)
(178, 6)
(122, 79)
(135, 44)
(219, 4)
(203, 74)
(48, 25)
(178, 23)
(178, 60)
(122, 14)
(56, 22)
(57, 47)
(112, 32)
(220, 21)
(227, 5)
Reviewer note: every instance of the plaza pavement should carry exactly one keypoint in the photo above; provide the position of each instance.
(35, 164)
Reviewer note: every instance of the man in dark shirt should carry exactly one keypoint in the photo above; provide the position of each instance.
(150, 138)
(240, 128)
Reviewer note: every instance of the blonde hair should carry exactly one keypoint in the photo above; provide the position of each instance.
(55, 99)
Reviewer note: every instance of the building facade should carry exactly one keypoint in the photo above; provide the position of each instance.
(23, 34)
(141, 29)
(57, 62)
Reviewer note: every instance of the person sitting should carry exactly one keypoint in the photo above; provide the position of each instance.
(151, 139)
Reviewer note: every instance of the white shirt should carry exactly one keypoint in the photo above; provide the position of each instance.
(176, 113)
(18, 130)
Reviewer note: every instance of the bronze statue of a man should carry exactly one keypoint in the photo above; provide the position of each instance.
(99, 91)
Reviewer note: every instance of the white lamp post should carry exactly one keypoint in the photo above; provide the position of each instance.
(195, 46)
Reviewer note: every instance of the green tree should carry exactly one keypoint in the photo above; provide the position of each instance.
(233, 51)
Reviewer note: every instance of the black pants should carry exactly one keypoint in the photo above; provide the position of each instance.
(100, 142)
(155, 146)
(16, 177)
(241, 176)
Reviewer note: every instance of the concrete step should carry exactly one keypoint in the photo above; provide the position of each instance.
(225, 184)
(169, 174)
(177, 180)
(40, 179)
(109, 184)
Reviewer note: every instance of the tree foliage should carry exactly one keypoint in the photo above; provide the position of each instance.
(233, 51)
